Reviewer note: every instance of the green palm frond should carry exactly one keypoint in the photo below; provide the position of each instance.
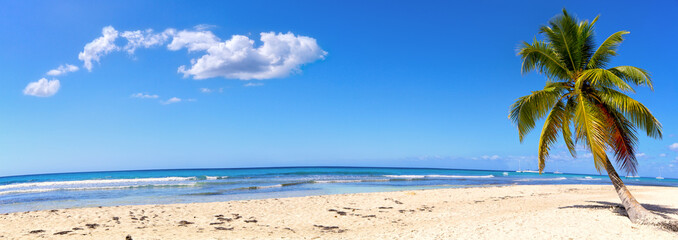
(606, 50)
(633, 110)
(586, 41)
(632, 74)
(567, 120)
(549, 132)
(603, 78)
(562, 34)
(591, 130)
(540, 56)
(527, 109)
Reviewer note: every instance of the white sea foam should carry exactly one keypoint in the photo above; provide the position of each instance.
(39, 190)
(540, 179)
(351, 181)
(95, 182)
(587, 178)
(458, 176)
(215, 178)
(271, 186)
(438, 176)
(405, 176)
(336, 181)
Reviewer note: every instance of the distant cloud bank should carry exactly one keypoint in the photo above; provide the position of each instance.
(278, 55)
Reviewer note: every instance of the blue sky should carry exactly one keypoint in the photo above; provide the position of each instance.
(355, 83)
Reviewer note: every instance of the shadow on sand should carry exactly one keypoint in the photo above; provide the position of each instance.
(617, 208)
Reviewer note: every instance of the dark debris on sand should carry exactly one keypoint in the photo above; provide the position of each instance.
(330, 228)
(184, 223)
(92, 225)
(62, 233)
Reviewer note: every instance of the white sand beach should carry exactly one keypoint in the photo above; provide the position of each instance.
(513, 212)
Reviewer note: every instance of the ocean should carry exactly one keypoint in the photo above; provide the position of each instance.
(93, 189)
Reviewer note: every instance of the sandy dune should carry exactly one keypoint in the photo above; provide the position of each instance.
(515, 212)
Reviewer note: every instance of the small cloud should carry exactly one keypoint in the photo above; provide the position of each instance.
(253, 84)
(42, 88)
(211, 90)
(662, 154)
(674, 147)
(144, 95)
(640, 155)
(98, 48)
(171, 100)
(202, 27)
(62, 69)
(145, 39)
(493, 157)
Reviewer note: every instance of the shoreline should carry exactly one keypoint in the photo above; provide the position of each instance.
(517, 211)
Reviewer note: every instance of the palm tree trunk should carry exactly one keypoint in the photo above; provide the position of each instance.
(637, 213)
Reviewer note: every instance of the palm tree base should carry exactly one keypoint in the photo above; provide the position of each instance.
(636, 212)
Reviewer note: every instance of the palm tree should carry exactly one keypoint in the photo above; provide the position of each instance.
(583, 92)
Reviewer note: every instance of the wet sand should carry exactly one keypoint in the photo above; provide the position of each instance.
(512, 212)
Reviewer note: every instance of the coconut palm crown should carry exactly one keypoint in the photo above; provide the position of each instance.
(584, 99)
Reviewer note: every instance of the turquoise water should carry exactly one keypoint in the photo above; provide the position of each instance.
(69, 190)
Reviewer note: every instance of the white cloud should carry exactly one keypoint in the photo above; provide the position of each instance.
(493, 157)
(237, 58)
(193, 40)
(640, 155)
(101, 46)
(144, 95)
(42, 88)
(253, 84)
(662, 154)
(172, 100)
(210, 90)
(62, 69)
(674, 146)
(145, 39)
(201, 27)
